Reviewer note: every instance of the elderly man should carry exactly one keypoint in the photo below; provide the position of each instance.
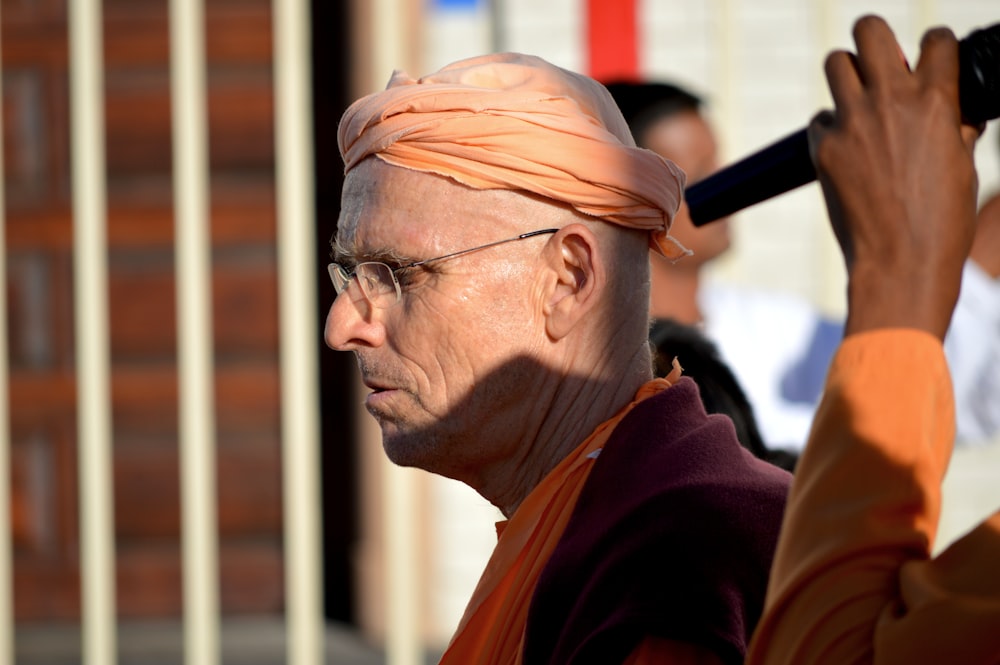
(491, 265)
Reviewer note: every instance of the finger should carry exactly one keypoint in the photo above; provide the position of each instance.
(938, 63)
(971, 134)
(821, 124)
(819, 131)
(880, 59)
(843, 78)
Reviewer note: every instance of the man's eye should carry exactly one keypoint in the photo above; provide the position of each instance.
(370, 282)
(406, 276)
(349, 265)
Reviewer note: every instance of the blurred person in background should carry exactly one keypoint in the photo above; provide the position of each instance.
(781, 373)
(973, 342)
(720, 391)
(778, 345)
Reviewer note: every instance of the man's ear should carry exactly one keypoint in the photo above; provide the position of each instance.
(580, 278)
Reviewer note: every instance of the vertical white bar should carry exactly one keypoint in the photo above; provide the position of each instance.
(194, 334)
(830, 261)
(97, 560)
(498, 25)
(399, 519)
(928, 14)
(403, 647)
(6, 534)
(389, 43)
(299, 329)
(727, 74)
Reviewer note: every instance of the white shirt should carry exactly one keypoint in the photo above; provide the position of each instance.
(973, 350)
(779, 347)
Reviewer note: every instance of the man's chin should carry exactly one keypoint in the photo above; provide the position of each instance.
(403, 452)
(398, 443)
(412, 448)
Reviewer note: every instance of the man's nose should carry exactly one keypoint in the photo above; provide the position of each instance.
(353, 323)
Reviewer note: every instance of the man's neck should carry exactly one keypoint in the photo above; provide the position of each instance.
(674, 294)
(575, 409)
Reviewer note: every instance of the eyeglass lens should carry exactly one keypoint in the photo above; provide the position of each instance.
(374, 279)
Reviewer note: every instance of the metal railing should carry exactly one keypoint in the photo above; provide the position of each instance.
(6, 577)
(298, 375)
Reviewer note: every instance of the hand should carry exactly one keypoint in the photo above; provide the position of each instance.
(896, 168)
(986, 245)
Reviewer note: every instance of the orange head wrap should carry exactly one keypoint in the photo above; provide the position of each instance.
(512, 121)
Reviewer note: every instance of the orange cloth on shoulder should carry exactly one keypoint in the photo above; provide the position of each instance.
(516, 122)
(492, 629)
(853, 580)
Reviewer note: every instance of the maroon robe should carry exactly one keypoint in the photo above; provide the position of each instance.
(672, 537)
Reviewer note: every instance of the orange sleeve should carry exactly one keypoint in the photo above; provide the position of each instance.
(659, 651)
(852, 581)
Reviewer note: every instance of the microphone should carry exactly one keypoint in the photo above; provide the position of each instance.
(785, 164)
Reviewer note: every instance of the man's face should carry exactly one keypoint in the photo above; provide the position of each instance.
(686, 139)
(448, 364)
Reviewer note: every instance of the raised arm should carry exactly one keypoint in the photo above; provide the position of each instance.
(895, 164)
(852, 582)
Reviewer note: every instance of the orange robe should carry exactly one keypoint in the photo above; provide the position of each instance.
(492, 628)
(853, 581)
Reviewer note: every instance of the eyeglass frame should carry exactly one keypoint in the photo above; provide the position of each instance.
(337, 271)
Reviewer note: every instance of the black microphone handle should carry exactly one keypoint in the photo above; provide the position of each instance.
(785, 165)
(778, 168)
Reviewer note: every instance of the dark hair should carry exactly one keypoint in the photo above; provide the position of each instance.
(644, 103)
(719, 389)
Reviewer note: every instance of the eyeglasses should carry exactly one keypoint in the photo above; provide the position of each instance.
(379, 282)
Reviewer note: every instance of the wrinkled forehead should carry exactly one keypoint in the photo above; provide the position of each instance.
(359, 198)
(381, 199)
(385, 206)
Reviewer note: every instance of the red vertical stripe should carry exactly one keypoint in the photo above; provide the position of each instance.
(612, 44)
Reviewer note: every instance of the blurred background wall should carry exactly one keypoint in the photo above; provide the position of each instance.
(758, 64)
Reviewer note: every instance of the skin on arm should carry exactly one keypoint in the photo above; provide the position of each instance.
(898, 178)
(897, 172)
